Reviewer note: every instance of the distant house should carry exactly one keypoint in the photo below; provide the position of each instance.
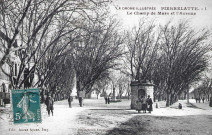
(4, 84)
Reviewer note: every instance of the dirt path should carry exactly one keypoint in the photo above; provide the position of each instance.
(98, 118)
(173, 121)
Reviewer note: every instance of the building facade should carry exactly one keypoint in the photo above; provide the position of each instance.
(138, 90)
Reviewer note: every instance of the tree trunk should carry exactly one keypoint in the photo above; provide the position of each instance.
(184, 95)
(171, 99)
(210, 103)
(114, 94)
(167, 100)
(159, 97)
(188, 95)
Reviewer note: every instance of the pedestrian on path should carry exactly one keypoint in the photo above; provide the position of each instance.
(139, 105)
(144, 104)
(49, 105)
(70, 99)
(105, 96)
(80, 98)
(108, 98)
(203, 99)
(149, 104)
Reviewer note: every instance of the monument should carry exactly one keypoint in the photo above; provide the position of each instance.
(139, 89)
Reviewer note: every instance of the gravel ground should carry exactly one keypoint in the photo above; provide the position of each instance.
(120, 122)
(156, 125)
(169, 121)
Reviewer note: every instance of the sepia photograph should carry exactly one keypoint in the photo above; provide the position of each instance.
(105, 67)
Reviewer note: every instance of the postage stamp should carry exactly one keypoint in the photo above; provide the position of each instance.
(26, 106)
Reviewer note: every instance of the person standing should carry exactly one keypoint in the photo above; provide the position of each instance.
(49, 105)
(139, 105)
(108, 98)
(149, 104)
(203, 99)
(80, 97)
(105, 96)
(70, 99)
(144, 104)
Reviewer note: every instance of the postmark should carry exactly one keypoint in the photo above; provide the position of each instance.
(26, 106)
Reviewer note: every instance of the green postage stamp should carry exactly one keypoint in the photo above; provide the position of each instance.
(26, 106)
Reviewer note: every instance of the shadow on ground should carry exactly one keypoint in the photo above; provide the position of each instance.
(110, 109)
(157, 125)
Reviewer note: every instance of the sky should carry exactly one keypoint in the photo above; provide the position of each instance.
(202, 19)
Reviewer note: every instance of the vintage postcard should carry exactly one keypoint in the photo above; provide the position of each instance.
(105, 67)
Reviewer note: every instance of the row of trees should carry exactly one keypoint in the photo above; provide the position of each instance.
(61, 39)
(204, 89)
(172, 55)
(115, 84)
(58, 40)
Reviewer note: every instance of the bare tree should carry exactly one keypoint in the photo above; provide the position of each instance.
(122, 84)
(204, 89)
(34, 28)
(101, 84)
(100, 46)
(142, 45)
(183, 53)
(173, 56)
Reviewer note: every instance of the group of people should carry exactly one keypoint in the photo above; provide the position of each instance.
(199, 99)
(50, 104)
(144, 104)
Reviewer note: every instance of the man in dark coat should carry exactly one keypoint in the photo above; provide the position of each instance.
(108, 98)
(49, 105)
(105, 96)
(203, 99)
(149, 104)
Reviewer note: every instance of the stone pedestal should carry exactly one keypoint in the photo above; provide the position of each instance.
(140, 89)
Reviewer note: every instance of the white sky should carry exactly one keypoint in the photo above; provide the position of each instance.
(203, 18)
